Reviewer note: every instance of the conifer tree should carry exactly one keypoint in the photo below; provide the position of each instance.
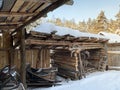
(101, 23)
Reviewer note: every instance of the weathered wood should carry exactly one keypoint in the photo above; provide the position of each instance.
(67, 63)
(23, 58)
(54, 42)
(53, 6)
(10, 23)
(7, 27)
(80, 66)
(113, 52)
(43, 1)
(4, 58)
(15, 8)
(68, 67)
(13, 14)
(65, 59)
(6, 40)
(67, 74)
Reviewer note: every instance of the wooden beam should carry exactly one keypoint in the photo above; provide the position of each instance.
(113, 52)
(43, 1)
(10, 23)
(13, 14)
(23, 58)
(15, 8)
(5, 27)
(63, 43)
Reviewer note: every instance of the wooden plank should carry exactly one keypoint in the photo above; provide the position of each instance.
(113, 52)
(68, 74)
(13, 14)
(3, 58)
(47, 58)
(66, 63)
(43, 1)
(16, 7)
(6, 40)
(10, 23)
(43, 7)
(34, 7)
(54, 42)
(7, 27)
(35, 58)
(7, 5)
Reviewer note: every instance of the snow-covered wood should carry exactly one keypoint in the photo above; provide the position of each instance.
(49, 27)
(113, 38)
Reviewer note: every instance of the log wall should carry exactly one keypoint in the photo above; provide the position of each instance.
(70, 66)
(4, 47)
(113, 55)
(37, 58)
(3, 58)
(67, 64)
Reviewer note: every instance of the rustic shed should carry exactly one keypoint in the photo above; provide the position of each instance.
(73, 52)
(113, 48)
(114, 54)
(14, 16)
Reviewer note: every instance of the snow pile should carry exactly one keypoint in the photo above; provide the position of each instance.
(113, 38)
(49, 27)
(109, 80)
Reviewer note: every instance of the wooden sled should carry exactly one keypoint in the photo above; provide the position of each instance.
(43, 76)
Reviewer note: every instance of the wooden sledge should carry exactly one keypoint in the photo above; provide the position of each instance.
(41, 77)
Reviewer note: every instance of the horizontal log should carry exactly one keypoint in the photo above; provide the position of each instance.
(67, 63)
(10, 23)
(68, 74)
(7, 27)
(73, 68)
(64, 43)
(113, 52)
(43, 1)
(67, 60)
(14, 14)
(65, 57)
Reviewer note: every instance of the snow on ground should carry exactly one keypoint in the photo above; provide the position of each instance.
(49, 27)
(108, 80)
(113, 38)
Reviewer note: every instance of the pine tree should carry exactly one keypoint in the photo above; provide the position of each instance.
(101, 23)
(118, 19)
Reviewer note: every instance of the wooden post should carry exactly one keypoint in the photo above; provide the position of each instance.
(80, 64)
(23, 58)
(11, 52)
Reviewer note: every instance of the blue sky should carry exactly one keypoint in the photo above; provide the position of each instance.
(84, 9)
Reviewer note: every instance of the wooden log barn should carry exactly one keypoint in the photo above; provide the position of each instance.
(113, 50)
(74, 56)
(69, 54)
(14, 16)
(114, 54)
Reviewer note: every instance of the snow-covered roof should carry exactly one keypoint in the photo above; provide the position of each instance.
(113, 38)
(49, 27)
